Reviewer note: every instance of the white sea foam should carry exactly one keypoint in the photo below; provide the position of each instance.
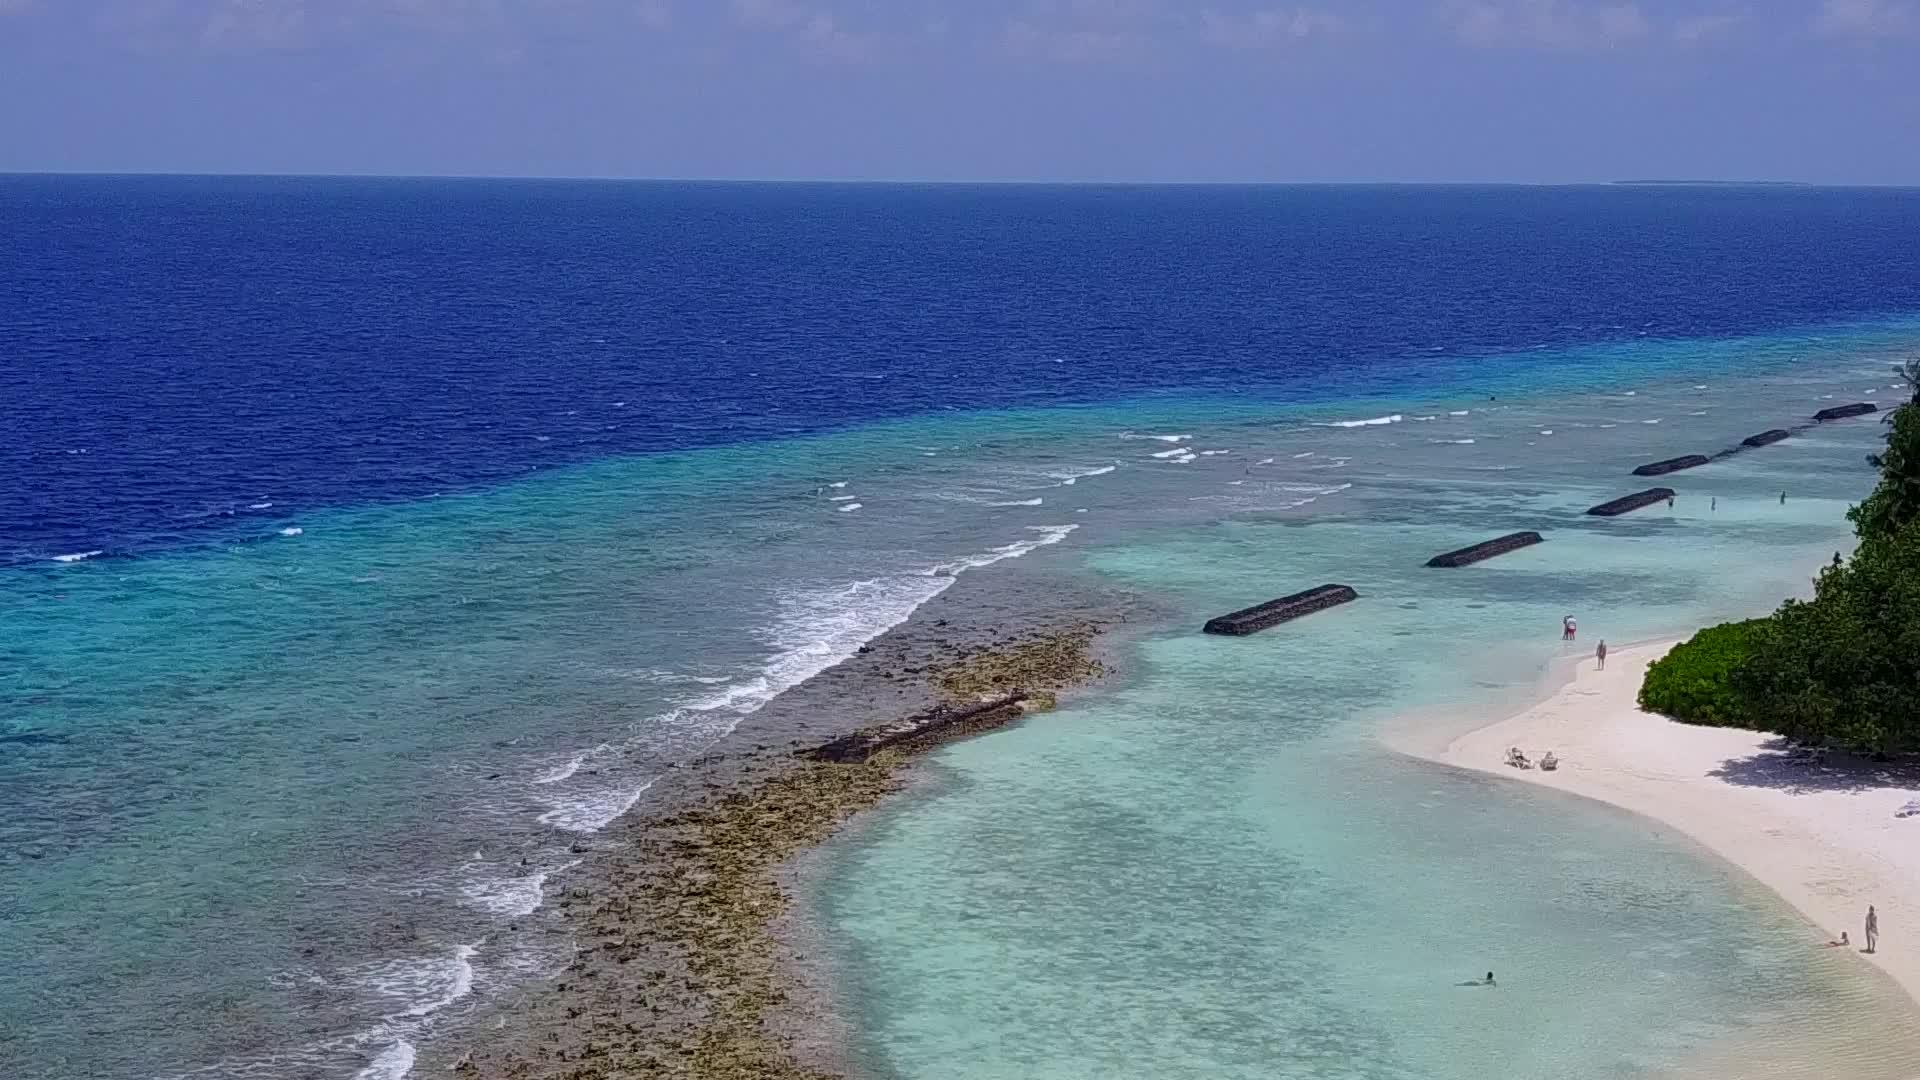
(841, 498)
(1157, 438)
(1376, 421)
(1021, 502)
(511, 896)
(260, 506)
(1700, 386)
(849, 508)
(1049, 534)
(1068, 479)
(419, 986)
(1308, 454)
(1214, 453)
(392, 1063)
(1316, 489)
(838, 484)
(567, 768)
(1170, 453)
(1546, 431)
(1630, 393)
(78, 556)
(1701, 412)
(292, 530)
(1435, 417)
(1653, 421)
(1459, 412)
(816, 629)
(1451, 442)
(592, 811)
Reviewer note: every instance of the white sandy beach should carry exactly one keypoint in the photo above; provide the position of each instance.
(1824, 837)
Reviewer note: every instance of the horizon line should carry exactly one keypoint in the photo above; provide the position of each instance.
(923, 182)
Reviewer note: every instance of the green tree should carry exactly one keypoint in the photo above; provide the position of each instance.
(1896, 502)
(1694, 682)
(1843, 669)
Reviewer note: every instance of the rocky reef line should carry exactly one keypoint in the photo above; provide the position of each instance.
(678, 969)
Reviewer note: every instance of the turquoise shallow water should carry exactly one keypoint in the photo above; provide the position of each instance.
(307, 786)
(1216, 870)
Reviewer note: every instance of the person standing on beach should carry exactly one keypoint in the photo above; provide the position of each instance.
(1873, 929)
(1601, 653)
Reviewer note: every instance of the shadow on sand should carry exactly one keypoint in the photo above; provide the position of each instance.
(1782, 766)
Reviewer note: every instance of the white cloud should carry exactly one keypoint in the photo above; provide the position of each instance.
(769, 14)
(653, 14)
(248, 25)
(1085, 31)
(1071, 45)
(1267, 28)
(816, 31)
(1551, 24)
(1866, 19)
(1698, 29)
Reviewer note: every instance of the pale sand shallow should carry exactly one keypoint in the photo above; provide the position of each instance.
(1823, 838)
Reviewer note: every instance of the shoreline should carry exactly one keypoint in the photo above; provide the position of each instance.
(694, 937)
(1821, 837)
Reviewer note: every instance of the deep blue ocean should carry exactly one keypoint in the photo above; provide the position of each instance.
(178, 351)
(368, 546)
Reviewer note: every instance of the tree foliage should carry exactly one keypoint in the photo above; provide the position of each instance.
(1841, 669)
(1895, 503)
(1694, 682)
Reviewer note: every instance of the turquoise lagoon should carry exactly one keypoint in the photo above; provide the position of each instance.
(308, 784)
(1214, 868)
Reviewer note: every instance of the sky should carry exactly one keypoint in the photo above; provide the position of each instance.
(1530, 91)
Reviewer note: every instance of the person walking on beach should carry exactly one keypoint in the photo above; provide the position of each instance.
(1601, 654)
(1873, 929)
